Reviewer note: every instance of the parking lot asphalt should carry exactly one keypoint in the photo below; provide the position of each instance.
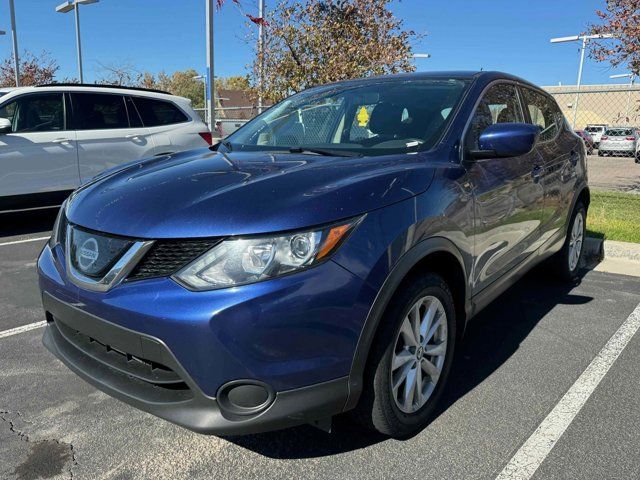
(620, 174)
(519, 358)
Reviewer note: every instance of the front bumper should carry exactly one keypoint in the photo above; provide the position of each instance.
(94, 356)
(171, 352)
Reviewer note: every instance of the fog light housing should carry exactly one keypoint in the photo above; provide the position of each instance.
(245, 397)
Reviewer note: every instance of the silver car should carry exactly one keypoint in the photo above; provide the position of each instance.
(596, 132)
(619, 141)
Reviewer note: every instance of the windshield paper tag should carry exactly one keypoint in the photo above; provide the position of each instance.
(363, 117)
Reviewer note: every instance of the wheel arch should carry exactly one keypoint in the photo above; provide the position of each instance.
(436, 254)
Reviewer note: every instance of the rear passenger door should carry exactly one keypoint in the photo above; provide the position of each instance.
(167, 125)
(109, 132)
(507, 199)
(560, 151)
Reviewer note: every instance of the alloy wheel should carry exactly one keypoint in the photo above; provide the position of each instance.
(576, 238)
(419, 354)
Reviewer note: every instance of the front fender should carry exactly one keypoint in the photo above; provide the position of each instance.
(404, 265)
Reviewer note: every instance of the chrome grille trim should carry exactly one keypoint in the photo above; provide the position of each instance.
(115, 275)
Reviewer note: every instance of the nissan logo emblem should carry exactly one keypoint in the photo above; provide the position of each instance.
(87, 253)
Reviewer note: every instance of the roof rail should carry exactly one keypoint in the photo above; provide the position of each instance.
(95, 85)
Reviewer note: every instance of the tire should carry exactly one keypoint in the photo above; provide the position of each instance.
(380, 407)
(565, 262)
(600, 153)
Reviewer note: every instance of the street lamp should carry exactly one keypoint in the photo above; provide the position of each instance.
(261, 45)
(14, 38)
(584, 39)
(421, 55)
(204, 83)
(632, 79)
(67, 7)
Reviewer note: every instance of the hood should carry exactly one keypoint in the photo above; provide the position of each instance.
(202, 193)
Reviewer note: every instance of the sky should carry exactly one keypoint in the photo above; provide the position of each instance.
(154, 35)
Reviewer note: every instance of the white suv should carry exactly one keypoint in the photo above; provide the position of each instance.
(54, 138)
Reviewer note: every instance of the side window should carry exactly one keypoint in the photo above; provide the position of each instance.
(155, 113)
(544, 113)
(97, 111)
(8, 110)
(35, 113)
(499, 104)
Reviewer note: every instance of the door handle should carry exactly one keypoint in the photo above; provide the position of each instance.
(536, 173)
(132, 136)
(574, 158)
(63, 141)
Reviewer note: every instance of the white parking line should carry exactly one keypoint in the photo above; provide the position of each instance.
(532, 453)
(15, 242)
(22, 329)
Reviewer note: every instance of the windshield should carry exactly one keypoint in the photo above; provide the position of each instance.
(594, 129)
(619, 132)
(376, 118)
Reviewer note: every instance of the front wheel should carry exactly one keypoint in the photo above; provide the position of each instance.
(567, 260)
(410, 358)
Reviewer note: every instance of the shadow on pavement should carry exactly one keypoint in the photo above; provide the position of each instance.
(491, 339)
(25, 223)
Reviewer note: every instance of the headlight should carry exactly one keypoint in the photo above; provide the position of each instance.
(57, 235)
(240, 261)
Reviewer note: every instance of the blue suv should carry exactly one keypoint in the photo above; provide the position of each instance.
(325, 258)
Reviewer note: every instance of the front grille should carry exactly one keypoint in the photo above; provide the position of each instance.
(166, 257)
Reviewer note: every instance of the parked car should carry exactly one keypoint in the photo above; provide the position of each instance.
(587, 139)
(596, 132)
(619, 141)
(54, 138)
(325, 258)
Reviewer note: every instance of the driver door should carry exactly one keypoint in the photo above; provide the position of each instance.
(508, 194)
(39, 155)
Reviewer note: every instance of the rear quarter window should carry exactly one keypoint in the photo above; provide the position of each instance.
(619, 132)
(155, 113)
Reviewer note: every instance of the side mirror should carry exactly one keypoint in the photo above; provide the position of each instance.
(5, 125)
(503, 140)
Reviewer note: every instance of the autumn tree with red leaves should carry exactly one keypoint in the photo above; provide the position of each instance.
(621, 19)
(34, 70)
(313, 42)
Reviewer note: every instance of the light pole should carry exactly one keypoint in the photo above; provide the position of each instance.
(204, 83)
(585, 40)
(14, 38)
(67, 7)
(632, 79)
(260, 55)
(211, 108)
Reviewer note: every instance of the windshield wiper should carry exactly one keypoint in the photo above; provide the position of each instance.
(325, 152)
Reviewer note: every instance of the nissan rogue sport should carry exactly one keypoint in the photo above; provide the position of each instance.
(325, 258)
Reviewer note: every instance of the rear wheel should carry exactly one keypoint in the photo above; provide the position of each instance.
(600, 153)
(567, 260)
(410, 358)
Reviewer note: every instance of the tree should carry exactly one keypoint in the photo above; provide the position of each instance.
(233, 83)
(123, 74)
(34, 70)
(622, 19)
(319, 41)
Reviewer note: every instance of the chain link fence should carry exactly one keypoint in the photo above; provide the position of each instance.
(611, 105)
(229, 119)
